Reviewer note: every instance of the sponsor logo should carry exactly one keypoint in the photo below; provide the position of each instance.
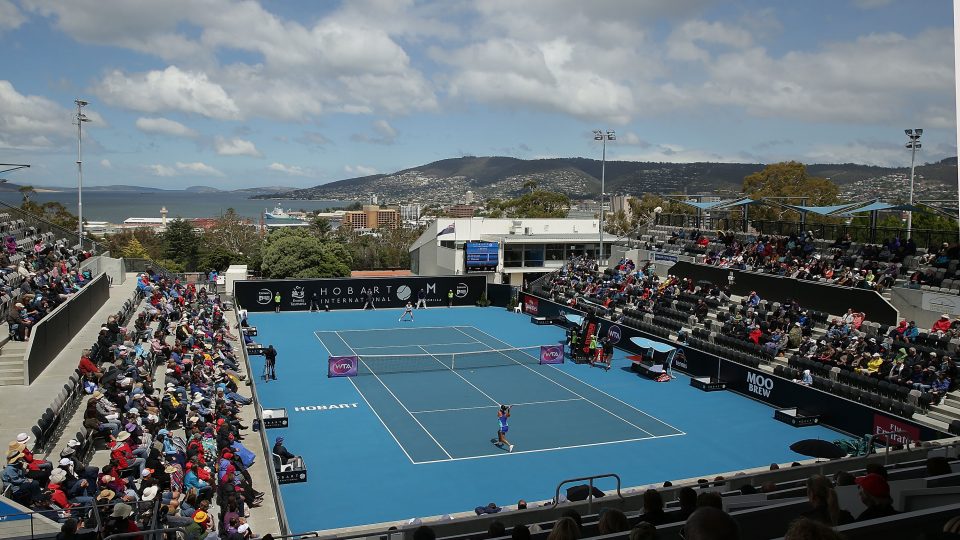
(403, 292)
(613, 334)
(759, 384)
(342, 366)
(431, 288)
(551, 354)
(337, 406)
(885, 424)
(462, 290)
(264, 296)
(298, 296)
(680, 360)
(531, 305)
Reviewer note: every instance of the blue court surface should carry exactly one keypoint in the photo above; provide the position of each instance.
(412, 434)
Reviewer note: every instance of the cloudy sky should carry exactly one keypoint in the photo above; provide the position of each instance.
(301, 92)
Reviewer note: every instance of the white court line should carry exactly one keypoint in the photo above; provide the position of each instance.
(493, 406)
(355, 387)
(396, 398)
(497, 403)
(569, 390)
(396, 328)
(681, 432)
(421, 346)
(502, 454)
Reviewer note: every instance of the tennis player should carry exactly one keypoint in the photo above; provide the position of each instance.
(408, 310)
(502, 415)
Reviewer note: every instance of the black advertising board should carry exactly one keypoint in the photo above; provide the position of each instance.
(350, 293)
(835, 411)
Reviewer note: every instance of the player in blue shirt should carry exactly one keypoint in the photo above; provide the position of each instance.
(502, 415)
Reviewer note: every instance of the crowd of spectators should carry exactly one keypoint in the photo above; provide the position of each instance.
(868, 266)
(163, 401)
(43, 278)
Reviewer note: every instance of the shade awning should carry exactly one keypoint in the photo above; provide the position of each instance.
(650, 344)
(820, 210)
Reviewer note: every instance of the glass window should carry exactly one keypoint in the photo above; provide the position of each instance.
(533, 255)
(574, 250)
(554, 252)
(415, 261)
(513, 255)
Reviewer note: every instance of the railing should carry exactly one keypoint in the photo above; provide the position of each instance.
(556, 497)
(179, 532)
(135, 265)
(41, 223)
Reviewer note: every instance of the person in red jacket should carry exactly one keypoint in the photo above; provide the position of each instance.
(755, 334)
(942, 326)
(123, 454)
(59, 498)
(88, 367)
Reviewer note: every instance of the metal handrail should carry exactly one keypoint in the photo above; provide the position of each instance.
(556, 497)
(180, 530)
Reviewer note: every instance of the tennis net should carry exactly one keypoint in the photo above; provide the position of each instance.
(405, 363)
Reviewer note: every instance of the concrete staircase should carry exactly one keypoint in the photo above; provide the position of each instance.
(12, 368)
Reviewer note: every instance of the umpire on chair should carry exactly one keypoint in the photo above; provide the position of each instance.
(271, 368)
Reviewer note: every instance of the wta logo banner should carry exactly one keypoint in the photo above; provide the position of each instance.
(613, 334)
(342, 366)
(551, 354)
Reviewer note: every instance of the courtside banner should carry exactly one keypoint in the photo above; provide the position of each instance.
(551, 354)
(342, 366)
(352, 293)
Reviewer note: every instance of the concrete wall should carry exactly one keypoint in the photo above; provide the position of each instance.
(103, 263)
(924, 307)
(235, 272)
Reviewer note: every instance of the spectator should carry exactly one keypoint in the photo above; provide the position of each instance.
(197, 530)
(941, 326)
(823, 499)
(520, 532)
(424, 532)
(496, 529)
(875, 494)
(643, 531)
(653, 508)
(709, 523)
(688, 501)
(808, 529)
(565, 529)
(612, 521)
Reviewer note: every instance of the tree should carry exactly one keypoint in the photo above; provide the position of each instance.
(134, 249)
(26, 192)
(788, 179)
(294, 253)
(231, 233)
(536, 204)
(182, 244)
(321, 227)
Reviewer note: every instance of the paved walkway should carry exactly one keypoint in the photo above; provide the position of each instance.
(22, 406)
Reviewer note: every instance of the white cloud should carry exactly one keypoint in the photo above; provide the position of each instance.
(169, 90)
(683, 43)
(164, 126)
(30, 122)
(386, 134)
(292, 170)
(198, 167)
(162, 170)
(105, 163)
(235, 147)
(360, 170)
(181, 168)
(676, 153)
(10, 16)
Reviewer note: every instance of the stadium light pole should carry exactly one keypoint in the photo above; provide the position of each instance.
(913, 145)
(603, 137)
(81, 118)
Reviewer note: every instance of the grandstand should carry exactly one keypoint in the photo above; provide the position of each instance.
(157, 327)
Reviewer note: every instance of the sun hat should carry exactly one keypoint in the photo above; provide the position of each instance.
(22, 438)
(200, 516)
(122, 436)
(14, 446)
(122, 510)
(169, 469)
(106, 494)
(106, 479)
(73, 443)
(65, 462)
(58, 476)
(149, 493)
(96, 395)
(67, 452)
(243, 528)
(15, 456)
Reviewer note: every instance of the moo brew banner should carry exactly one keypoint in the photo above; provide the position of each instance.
(351, 293)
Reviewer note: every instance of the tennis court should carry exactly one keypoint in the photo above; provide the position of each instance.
(437, 391)
(411, 437)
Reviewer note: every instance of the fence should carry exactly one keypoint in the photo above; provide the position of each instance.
(137, 266)
(55, 331)
(47, 226)
(924, 238)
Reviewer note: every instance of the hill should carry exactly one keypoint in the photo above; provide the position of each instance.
(498, 177)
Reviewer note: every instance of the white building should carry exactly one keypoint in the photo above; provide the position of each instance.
(409, 212)
(620, 203)
(468, 198)
(525, 248)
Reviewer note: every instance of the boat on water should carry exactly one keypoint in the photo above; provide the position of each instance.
(278, 213)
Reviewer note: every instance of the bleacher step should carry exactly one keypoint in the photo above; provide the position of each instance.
(11, 346)
(11, 380)
(940, 417)
(944, 410)
(932, 422)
